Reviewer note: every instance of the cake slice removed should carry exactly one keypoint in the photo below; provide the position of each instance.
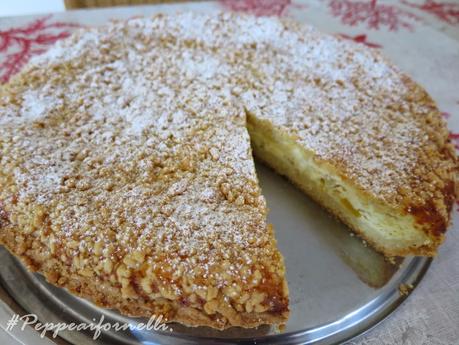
(355, 133)
(127, 177)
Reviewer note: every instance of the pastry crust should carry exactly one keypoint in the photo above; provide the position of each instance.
(108, 295)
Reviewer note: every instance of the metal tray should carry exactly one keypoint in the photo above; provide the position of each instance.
(339, 288)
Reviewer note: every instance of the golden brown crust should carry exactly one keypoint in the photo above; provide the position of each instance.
(171, 311)
(433, 182)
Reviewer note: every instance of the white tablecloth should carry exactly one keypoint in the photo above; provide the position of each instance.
(421, 36)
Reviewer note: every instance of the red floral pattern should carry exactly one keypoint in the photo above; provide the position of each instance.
(360, 39)
(445, 11)
(259, 7)
(374, 15)
(18, 45)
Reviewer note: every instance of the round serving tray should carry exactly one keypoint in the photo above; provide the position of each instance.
(339, 288)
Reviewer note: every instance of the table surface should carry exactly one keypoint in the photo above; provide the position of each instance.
(421, 36)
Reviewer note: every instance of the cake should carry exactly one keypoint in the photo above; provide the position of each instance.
(127, 174)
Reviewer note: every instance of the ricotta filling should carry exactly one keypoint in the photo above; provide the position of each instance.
(386, 228)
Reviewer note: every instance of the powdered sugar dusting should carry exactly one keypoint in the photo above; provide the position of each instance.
(160, 82)
(34, 106)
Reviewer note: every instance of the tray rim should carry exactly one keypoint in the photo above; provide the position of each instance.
(350, 326)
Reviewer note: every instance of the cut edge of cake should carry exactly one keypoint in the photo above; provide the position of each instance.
(394, 231)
